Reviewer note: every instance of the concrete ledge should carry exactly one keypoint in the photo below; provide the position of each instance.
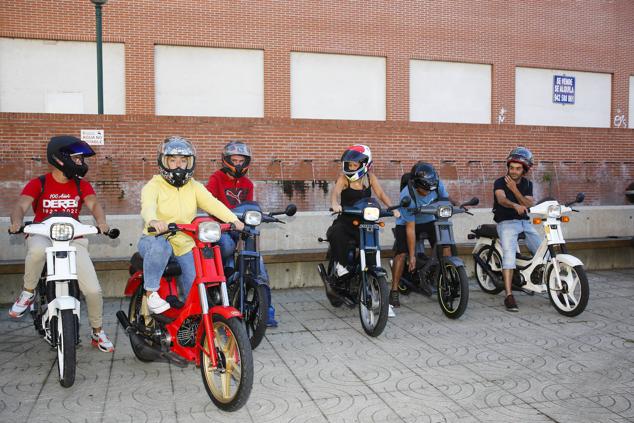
(319, 254)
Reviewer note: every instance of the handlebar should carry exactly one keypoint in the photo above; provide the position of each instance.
(359, 212)
(172, 228)
(113, 233)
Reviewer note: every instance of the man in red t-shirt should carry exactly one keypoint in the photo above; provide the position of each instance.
(62, 191)
(230, 185)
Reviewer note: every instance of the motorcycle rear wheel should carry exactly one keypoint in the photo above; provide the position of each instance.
(483, 279)
(229, 385)
(133, 315)
(256, 308)
(453, 296)
(66, 348)
(374, 318)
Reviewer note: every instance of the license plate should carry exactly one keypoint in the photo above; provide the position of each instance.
(368, 226)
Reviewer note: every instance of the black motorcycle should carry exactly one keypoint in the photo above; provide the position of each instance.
(248, 290)
(446, 273)
(366, 283)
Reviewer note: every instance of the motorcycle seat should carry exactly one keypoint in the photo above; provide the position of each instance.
(491, 231)
(172, 269)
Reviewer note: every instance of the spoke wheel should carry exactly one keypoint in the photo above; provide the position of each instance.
(374, 315)
(572, 298)
(229, 385)
(255, 310)
(483, 278)
(453, 294)
(66, 352)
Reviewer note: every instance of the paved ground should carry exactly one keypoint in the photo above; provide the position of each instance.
(318, 366)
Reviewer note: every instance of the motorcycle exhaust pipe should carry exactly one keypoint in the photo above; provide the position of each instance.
(143, 349)
(485, 266)
(123, 319)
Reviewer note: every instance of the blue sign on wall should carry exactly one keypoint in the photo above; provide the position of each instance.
(563, 89)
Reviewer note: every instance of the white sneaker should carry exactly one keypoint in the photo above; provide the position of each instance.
(21, 304)
(341, 270)
(156, 304)
(390, 311)
(101, 342)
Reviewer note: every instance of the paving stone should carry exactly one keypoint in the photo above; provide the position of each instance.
(319, 366)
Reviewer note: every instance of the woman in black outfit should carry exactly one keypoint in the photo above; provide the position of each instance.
(353, 184)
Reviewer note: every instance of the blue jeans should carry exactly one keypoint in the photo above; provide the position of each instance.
(508, 230)
(156, 252)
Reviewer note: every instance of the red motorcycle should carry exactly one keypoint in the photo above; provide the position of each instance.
(204, 329)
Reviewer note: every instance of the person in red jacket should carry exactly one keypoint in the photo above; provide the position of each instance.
(230, 185)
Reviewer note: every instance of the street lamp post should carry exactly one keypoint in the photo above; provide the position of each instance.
(98, 4)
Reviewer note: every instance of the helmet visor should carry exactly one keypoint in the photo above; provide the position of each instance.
(237, 149)
(165, 161)
(353, 156)
(80, 147)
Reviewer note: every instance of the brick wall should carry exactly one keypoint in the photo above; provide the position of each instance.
(295, 157)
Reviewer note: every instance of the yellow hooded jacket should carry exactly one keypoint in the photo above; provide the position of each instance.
(162, 201)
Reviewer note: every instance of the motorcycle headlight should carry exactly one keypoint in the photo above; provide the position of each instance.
(209, 232)
(445, 211)
(253, 218)
(62, 231)
(371, 213)
(554, 211)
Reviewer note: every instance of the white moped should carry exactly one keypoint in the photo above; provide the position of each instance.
(551, 269)
(56, 308)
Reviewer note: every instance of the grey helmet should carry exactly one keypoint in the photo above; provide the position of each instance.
(176, 146)
(236, 148)
(521, 155)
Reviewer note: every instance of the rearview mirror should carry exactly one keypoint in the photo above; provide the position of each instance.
(580, 197)
(473, 202)
(291, 209)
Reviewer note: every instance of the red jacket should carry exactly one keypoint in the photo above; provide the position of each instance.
(230, 191)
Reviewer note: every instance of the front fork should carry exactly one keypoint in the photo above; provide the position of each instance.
(207, 323)
(555, 264)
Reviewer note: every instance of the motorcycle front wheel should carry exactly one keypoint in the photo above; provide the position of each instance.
(229, 384)
(453, 294)
(255, 310)
(573, 296)
(483, 278)
(374, 315)
(66, 343)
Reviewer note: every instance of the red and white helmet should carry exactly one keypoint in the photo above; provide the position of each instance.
(357, 153)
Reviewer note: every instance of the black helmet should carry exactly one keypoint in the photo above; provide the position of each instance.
(521, 155)
(62, 148)
(176, 146)
(236, 148)
(423, 175)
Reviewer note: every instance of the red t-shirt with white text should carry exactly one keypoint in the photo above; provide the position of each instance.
(230, 191)
(57, 197)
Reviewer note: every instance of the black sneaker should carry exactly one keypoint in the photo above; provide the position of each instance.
(394, 301)
(510, 304)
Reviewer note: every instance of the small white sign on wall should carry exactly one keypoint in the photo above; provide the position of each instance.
(93, 136)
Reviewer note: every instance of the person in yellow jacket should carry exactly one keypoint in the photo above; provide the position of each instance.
(174, 197)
